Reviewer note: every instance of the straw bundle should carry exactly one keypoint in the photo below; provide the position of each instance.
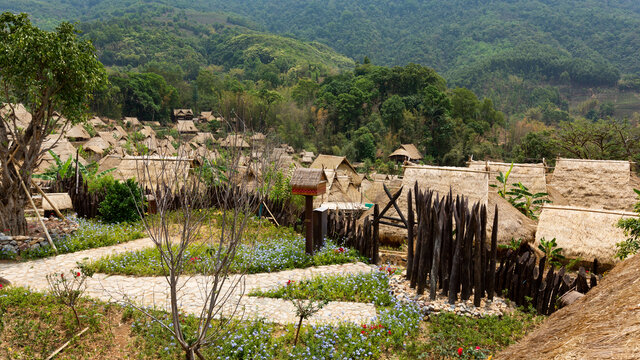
(597, 184)
(530, 175)
(582, 232)
(147, 170)
(604, 324)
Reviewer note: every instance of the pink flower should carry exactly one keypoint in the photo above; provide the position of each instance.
(460, 351)
(389, 332)
(0, 286)
(78, 274)
(289, 282)
(477, 347)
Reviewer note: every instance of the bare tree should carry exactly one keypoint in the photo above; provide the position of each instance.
(235, 181)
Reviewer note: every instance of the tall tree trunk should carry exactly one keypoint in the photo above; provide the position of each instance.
(12, 212)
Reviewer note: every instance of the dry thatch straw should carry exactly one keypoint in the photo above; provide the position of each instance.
(581, 232)
(62, 201)
(530, 175)
(97, 145)
(512, 224)
(63, 149)
(598, 184)
(145, 169)
(604, 324)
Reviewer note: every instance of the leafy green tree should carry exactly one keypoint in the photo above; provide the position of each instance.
(364, 144)
(122, 203)
(439, 130)
(392, 112)
(305, 91)
(146, 96)
(47, 72)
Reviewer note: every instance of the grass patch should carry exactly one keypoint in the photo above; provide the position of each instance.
(370, 287)
(449, 332)
(33, 325)
(90, 234)
(265, 256)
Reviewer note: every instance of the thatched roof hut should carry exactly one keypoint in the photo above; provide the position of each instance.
(257, 138)
(406, 152)
(530, 175)
(147, 170)
(97, 122)
(186, 127)
(119, 132)
(131, 121)
(203, 137)
(17, 111)
(234, 140)
(474, 184)
(334, 163)
(109, 137)
(63, 149)
(207, 116)
(62, 201)
(598, 184)
(147, 131)
(182, 114)
(77, 133)
(96, 145)
(582, 232)
(604, 324)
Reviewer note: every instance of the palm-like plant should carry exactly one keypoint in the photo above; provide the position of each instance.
(551, 251)
(528, 203)
(66, 169)
(503, 180)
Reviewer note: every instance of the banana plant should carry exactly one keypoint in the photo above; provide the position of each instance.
(528, 203)
(66, 169)
(551, 251)
(503, 181)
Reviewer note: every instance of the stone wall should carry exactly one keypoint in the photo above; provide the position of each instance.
(17, 244)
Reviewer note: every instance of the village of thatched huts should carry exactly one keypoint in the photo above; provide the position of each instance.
(598, 184)
(582, 232)
(406, 152)
(530, 175)
(17, 113)
(97, 122)
(604, 324)
(203, 138)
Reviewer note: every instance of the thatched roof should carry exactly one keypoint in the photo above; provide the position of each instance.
(182, 112)
(582, 232)
(307, 159)
(108, 137)
(258, 137)
(334, 163)
(119, 131)
(473, 184)
(604, 324)
(96, 144)
(186, 127)
(62, 201)
(207, 116)
(408, 152)
(307, 178)
(77, 132)
(19, 112)
(598, 184)
(147, 170)
(63, 149)
(147, 131)
(512, 224)
(203, 137)
(97, 122)
(530, 175)
(131, 121)
(233, 140)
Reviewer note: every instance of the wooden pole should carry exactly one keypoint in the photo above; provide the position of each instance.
(376, 234)
(308, 223)
(44, 196)
(66, 344)
(477, 260)
(410, 224)
(24, 187)
(491, 285)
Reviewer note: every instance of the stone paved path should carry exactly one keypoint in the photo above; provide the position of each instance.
(152, 291)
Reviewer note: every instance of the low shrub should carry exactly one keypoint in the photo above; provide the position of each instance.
(122, 202)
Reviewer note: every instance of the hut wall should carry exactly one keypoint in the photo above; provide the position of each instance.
(582, 232)
(530, 175)
(596, 184)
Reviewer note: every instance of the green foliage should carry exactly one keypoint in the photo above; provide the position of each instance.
(631, 228)
(449, 332)
(513, 244)
(370, 287)
(528, 203)
(90, 235)
(503, 181)
(122, 203)
(551, 251)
